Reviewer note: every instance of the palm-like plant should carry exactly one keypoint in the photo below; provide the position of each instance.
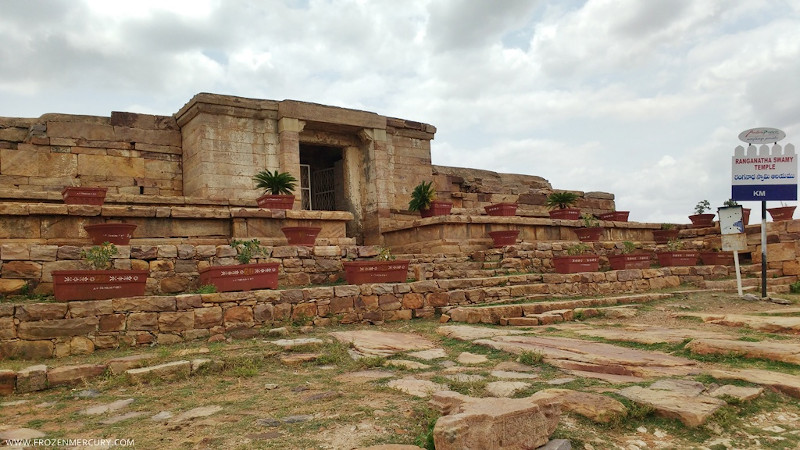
(561, 200)
(422, 196)
(275, 183)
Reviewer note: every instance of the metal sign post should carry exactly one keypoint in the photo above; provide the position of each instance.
(764, 174)
(734, 239)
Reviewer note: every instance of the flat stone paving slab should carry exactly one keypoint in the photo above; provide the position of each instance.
(691, 409)
(469, 333)
(781, 382)
(383, 343)
(415, 387)
(596, 407)
(769, 324)
(576, 354)
(773, 350)
(650, 335)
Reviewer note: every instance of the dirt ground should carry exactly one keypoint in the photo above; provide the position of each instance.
(257, 400)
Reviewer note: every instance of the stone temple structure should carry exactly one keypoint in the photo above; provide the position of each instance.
(207, 153)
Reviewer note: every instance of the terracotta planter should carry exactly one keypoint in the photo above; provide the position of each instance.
(504, 237)
(615, 216)
(76, 195)
(592, 234)
(98, 284)
(664, 236)
(269, 201)
(781, 213)
(677, 258)
(576, 263)
(745, 216)
(566, 213)
(241, 277)
(629, 261)
(716, 258)
(702, 220)
(115, 233)
(301, 235)
(361, 272)
(501, 209)
(437, 208)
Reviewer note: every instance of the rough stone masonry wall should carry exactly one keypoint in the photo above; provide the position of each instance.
(42, 330)
(129, 153)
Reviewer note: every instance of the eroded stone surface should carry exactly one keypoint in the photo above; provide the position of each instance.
(505, 388)
(429, 355)
(469, 333)
(383, 343)
(21, 433)
(109, 407)
(468, 358)
(596, 407)
(740, 393)
(364, 376)
(496, 423)
(772, 350)
(770, 324)
(415, 387)
(649, 335)
(691, 410)
(406, 364)
(575, 354)
(781, 382)
(194, 413)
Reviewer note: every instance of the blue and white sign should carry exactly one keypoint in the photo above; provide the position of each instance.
(763, 173)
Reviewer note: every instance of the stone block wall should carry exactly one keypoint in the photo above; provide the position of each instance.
(129, 153)
(42, 330)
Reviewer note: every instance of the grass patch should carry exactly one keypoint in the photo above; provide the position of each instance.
(531, 358)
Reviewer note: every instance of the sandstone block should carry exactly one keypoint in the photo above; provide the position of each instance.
(302, 311)
(499, 423)
(143, 321)
(112, 322)
(141, 304)
(437, 299)
(47, 329)
(263, 312)
(81, 345)
(413, 301)
(7, 328)
(207, 317)
(11, 286)
(341, 304)
(74, 374)
(21, 269)
(8, 381)
(172, 370)
(26, 349)
(32, 379)
(41, 311)
(237, 315)
(176, 321)
(90, 308)
(120, 365)
(14, 251)
(346, 290)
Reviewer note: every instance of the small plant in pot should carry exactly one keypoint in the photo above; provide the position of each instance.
(423, 200)
(243, 276)
(576, 261)
(700, 218)
(667, 233)
(560, 204)
(745, 211)
(385, 268)
(100, 282)
(628, 259)
(591, 231)
(676, 256)
(278, 189)
(782, 212)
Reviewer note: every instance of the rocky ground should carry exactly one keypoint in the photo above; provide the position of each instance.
(695, 370)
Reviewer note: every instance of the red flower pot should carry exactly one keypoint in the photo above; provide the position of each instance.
(716, 258)
(677, 258)
(615, 216)
(702, 220)
(745, 216)
(98, 284)
(76, 195)
(504, 237)
(437, 208)
(664, 236)
(592, 234)
(566, 213)
(115, 233)
(576, 263)
(629, 261)
(361, 272)
(301, 235)
(781, 213)
(501, 209)
(241, 277)
(269, 201)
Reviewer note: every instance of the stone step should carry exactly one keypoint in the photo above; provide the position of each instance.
(494, 314)
(728, 284)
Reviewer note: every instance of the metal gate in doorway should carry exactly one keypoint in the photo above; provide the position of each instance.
(317, 188)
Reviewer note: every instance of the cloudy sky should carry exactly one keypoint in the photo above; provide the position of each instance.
(640, 98)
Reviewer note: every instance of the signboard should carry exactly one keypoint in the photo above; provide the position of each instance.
(730, 219)
(761, 135)
(761, 174)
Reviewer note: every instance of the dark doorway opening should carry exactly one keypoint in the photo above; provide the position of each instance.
(321, 178)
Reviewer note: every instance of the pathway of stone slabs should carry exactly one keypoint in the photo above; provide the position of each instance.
(662, 382)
